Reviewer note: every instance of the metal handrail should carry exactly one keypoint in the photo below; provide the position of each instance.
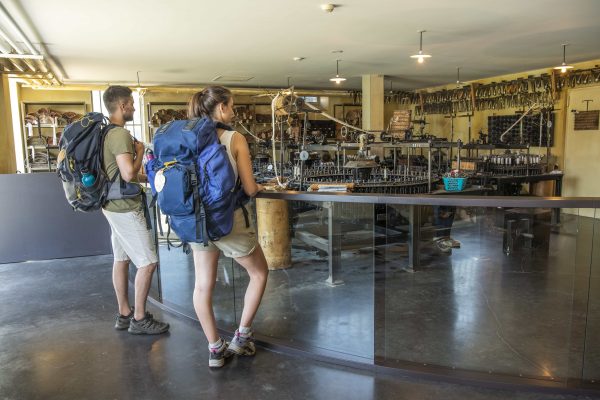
(438, 200)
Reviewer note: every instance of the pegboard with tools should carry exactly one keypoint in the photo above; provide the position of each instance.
(533, 129)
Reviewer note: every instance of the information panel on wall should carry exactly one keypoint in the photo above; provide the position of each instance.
(587, 120)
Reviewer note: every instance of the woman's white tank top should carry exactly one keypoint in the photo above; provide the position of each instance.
(225, 140)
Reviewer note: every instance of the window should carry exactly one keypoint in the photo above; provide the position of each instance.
(135, 126)
(311, 99)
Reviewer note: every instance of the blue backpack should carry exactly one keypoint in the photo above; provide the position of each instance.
(193, 181)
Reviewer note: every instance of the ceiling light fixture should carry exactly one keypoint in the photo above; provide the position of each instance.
(299, 58)
(328, 8)
(458, 82)
(564, 66)
(139, 87)
(338, 79)
(421, 57)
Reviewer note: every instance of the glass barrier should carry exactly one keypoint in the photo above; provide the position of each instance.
(508, 292)
(591, 365)
(320, 302)
(177, 276)
(492, 290)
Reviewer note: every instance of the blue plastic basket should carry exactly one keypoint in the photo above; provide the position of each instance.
(454, 184)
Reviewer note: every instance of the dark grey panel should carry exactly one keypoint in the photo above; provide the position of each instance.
(37, 223)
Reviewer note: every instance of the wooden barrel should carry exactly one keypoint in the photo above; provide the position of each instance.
(272, 222)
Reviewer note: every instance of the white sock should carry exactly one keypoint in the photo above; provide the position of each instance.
(244, 330)
(216, 344)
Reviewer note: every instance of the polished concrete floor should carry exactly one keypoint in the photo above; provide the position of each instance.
(57, 342)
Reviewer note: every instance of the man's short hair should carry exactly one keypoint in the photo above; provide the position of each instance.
(113, 95)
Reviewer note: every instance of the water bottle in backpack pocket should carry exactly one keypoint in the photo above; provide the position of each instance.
(85, 195)
(175, 194)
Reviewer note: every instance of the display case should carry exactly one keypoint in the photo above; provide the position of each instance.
(43, 123)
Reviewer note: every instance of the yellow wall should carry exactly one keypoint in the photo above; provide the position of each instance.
(57, 95)
(582, 150)
(7, 146)
(440, 126)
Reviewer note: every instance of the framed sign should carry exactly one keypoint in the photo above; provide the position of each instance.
(587, 120)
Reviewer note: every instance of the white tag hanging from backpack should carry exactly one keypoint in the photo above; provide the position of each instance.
(159, 181)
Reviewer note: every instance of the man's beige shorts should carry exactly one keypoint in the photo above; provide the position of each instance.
(130, 238)
(240, 242)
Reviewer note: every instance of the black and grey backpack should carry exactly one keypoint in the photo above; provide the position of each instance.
(79, 165)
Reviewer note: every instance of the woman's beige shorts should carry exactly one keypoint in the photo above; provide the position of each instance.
(240, 242)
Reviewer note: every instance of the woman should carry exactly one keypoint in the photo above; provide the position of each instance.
(216, 102)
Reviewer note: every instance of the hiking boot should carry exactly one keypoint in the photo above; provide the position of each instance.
(147, 326)
(122, 321)
(242, 344)
(444, 245)
(455, 243)
(216, 357)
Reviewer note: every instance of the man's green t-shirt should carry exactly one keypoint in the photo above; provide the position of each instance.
(118, 141)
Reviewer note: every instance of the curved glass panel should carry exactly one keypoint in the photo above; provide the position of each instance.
(591, 366)
(507, 292)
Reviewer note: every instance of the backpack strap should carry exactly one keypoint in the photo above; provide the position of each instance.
(158, 220)
(245, 211)
(169, 243)
(240, 202)
(223, 126)
(198, 207)
(164, 127)
(146, 211)
(191, 124)
(126, 190)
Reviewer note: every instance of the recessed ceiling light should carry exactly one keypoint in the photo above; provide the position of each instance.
(299, 58)
(337, 51)
(327, 7)
(232, 78)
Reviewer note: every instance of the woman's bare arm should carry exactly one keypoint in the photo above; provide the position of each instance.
(241, 153)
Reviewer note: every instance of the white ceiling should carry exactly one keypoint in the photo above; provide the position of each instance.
(191, 42)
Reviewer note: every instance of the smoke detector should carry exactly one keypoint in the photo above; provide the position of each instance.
(327, 7)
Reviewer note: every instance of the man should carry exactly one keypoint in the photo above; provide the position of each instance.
(131, 239)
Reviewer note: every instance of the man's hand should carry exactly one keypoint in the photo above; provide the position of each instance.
(142, 177)
(139, 149)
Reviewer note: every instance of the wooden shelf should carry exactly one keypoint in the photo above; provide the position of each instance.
(52, 130)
